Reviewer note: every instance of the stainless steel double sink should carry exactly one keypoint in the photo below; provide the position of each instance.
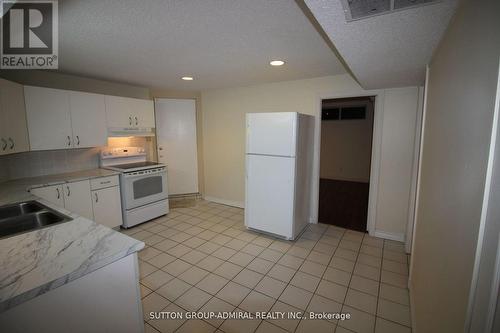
(27, 216)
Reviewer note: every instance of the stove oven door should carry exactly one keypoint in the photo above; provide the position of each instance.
(144, 187)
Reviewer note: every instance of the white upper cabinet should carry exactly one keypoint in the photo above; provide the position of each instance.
(118, 112)
(13, 127)
(88, 119)
(144, 111)
(63, 119)
(124, 112)
(49, 120)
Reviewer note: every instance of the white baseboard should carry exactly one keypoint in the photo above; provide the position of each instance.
(231, 203)
(400, 237)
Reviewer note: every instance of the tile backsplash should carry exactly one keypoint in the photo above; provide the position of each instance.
(39, 163)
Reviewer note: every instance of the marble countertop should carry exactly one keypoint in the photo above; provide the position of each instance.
(17, 190)
(39, 261)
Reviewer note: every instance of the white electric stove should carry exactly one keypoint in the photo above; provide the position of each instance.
(143, 184)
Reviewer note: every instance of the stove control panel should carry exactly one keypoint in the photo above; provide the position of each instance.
(122, 152)
(145, 172)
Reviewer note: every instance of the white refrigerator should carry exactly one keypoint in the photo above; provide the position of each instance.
(279, 154)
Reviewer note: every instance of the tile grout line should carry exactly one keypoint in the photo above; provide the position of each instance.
(379, 286)
(321, 278)
(235, 222)
(176, 277)
(350, 279)
(287, 284)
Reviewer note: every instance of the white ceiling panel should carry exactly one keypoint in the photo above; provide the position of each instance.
(221, 43)
(387, 50)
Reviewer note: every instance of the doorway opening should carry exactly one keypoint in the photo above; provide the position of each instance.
(345, 161)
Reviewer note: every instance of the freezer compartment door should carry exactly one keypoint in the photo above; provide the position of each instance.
(272, 133)
(269, 199)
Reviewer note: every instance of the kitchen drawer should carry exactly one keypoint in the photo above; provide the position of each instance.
(98, 183)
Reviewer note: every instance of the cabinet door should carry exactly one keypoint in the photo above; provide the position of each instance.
(53, 194)
(88, 119)
(118, 112)
(144, 111)
(77, 198)
(107, 206)
(49, 123)
(14, 128)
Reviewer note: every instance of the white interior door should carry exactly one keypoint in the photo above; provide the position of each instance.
(177, 148)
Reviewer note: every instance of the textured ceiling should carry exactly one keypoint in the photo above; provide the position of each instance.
(388, 50)
(221, 43)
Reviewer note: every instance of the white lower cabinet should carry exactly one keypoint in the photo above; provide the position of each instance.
(77, 198)
(107, 206)
(96, 199)
(53, 194)
(105, 300)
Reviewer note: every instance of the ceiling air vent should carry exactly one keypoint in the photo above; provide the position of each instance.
(360, 9)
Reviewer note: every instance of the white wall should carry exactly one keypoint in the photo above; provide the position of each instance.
(224, 138)
(396, 163)
(457, 130)
(346, 147)
(51, 79)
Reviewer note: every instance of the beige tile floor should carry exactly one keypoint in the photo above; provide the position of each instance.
(201, 258)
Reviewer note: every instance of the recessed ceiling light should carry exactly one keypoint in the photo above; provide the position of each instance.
(277, 63)
(187, 78)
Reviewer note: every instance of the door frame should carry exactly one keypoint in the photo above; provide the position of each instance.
(378, 117)
(417, 163)
(485, 282)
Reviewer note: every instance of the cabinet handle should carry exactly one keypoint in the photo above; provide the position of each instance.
(69, 140)
(96, 197)
(136, 121)
(77, 140)
(130, 121)
(69, 192)
(11, 143)
(58, 193)
(4, 144)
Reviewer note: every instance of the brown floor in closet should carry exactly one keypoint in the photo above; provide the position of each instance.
(343, 203)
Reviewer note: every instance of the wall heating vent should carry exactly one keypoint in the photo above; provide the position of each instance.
(360, 9)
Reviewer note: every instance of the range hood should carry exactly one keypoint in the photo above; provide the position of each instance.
(130, 131)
